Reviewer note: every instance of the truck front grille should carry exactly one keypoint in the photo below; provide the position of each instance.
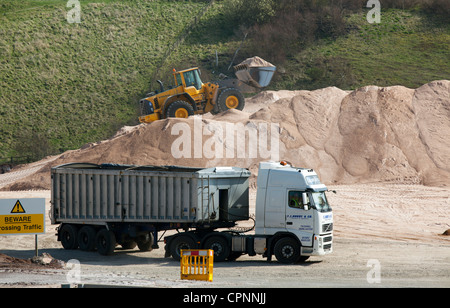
(327, 227)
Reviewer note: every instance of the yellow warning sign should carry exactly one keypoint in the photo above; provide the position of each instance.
(32, 223)
(25, 217)
(18, 208)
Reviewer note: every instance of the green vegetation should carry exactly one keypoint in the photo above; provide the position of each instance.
(63, 85)
(80, 82)
(406, 48)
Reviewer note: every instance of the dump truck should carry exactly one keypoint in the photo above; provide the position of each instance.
(190, 95)
(99, 207)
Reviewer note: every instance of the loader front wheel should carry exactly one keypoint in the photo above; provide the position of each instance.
(179, 109)
(231, 98)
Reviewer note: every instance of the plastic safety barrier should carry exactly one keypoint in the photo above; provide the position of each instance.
(197, 264)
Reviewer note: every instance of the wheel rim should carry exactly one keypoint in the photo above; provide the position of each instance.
(217, 247)
(287, 251)
(232, 102)
(181, 113)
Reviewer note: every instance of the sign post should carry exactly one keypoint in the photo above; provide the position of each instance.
(22, 216)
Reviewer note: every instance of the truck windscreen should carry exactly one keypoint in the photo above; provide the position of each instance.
(320, 202)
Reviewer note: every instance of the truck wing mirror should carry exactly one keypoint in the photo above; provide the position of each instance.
(305, 203)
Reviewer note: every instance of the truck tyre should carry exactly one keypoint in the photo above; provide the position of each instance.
(181, 242)
(179, 109)
(69, 236)
(287, 250)
(145, 242)
(106, 242)
(231, 98)
(128, 244)
(86, 238)
(220, 246)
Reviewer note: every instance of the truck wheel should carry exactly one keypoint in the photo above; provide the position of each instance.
(220, 246)
(129, 244)
(86, 238)
(181, 242)
(106, 242)
(179, 109)
(231, 98)
(69, 236)
(145, 242)
(287, 250)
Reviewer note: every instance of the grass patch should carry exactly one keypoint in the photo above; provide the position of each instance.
(406, 48)
(69, 84)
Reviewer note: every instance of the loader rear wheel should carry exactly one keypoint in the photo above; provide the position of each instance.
(179, 109)
(231, 98)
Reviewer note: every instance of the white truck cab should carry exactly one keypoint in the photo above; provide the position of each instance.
(292, 200)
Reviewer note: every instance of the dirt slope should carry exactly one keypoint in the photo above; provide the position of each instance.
(371, 134)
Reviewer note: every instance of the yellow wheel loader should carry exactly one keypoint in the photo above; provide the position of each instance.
(190, 95)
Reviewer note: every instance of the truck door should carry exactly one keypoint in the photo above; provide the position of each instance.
(299, 220)
(275, 209)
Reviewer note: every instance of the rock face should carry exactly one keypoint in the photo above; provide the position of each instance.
(371, 134)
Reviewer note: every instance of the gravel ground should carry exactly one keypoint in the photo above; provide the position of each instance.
(395, 242)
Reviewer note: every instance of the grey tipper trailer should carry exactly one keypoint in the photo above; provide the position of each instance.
(99, 206)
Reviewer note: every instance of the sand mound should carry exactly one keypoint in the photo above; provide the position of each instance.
(371, 134)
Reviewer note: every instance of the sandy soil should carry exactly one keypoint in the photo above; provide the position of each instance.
(385, 150)
(397, 225)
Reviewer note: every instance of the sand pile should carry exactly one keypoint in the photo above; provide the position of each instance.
(368, 135)
(45, 260)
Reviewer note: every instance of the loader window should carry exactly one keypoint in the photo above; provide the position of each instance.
(192, 78)
(179, 82)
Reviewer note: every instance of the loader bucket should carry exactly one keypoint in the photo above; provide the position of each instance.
(255, 72)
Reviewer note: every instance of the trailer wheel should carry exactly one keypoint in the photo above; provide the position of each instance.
(181, 242)
(129, 244)
(220, 246)
(287, 250)
(69, 236)
(86, 238)
(106, 242)
(145, 242)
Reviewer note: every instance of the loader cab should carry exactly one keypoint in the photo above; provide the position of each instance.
(188, 78)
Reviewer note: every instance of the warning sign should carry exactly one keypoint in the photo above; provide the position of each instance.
(18, 208)
(24, 216)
